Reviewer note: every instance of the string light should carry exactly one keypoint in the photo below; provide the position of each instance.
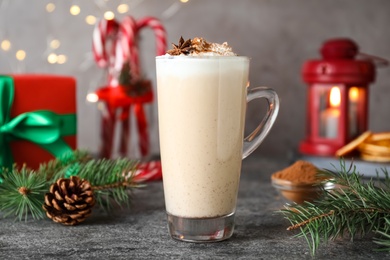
(52, 58)
(123, 8)
(92, 97)
(50, 7)
(61, 59)
(90, 19)
(109, 15)
(20, 55)
(6, 45)
(74, 10)
(55, 44)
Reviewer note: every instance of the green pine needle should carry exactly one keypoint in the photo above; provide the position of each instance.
(355, 208)
(109, 181)
(69, 162)
(22, 193)
(384, 239)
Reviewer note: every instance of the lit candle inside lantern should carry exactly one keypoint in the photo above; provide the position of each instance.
(353, 113)
(330, 117)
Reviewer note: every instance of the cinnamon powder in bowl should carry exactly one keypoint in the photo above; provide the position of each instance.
(299, 182)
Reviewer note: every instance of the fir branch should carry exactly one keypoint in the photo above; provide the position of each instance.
(108, 179)
(22, 190)
(307, 221)
(68, 162)
(384, 239)
(354, 208)
(22, 193)
(120, 184)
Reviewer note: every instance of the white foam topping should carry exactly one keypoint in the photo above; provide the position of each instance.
(203, 48)
(200, 47)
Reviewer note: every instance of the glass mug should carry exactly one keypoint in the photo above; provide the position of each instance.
(201, 111)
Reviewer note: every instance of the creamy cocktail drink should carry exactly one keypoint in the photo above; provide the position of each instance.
(201, 131)
(202, 96)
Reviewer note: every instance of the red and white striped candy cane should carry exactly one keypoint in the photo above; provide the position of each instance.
(104, 45)
(125, 49)
(135, 70)
(126, 45)
(147, 171)
(159, 32)
(129, 29)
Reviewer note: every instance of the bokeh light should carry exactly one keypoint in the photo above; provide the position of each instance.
(20, 55)
(122, 8)
(109, 15)
(90, 19)
(52, 58)
(55, 44)
(50, 7)
(92, 97)
(61, 59)
(74, 10)
(5, 45)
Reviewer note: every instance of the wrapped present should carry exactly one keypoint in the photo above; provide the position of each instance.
(37, 118)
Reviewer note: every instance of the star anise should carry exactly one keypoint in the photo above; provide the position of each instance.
(184, 47)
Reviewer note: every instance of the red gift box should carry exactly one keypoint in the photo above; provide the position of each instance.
(41, 92)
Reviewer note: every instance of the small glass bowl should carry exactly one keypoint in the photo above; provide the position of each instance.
(300, 192)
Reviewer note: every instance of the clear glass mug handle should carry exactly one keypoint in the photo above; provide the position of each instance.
(253, 140)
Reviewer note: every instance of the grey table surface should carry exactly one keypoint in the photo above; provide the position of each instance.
(140, 232)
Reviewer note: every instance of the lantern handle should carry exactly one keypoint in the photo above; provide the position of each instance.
(379, 62)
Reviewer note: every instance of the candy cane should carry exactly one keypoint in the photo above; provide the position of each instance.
(126, 43)
(159, 32)
(103, 44)
(147, 171)
(104, 41)
(113, 45)
(129, 29)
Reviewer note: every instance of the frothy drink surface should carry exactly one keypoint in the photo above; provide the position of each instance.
(201, 102)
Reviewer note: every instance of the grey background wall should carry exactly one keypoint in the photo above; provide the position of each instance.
(278, 35)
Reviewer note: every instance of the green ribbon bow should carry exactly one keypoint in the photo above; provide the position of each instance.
(42, 127)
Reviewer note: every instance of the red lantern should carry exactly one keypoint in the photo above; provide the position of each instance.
(337, 100)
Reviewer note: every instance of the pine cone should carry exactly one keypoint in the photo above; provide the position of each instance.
(69, 201)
